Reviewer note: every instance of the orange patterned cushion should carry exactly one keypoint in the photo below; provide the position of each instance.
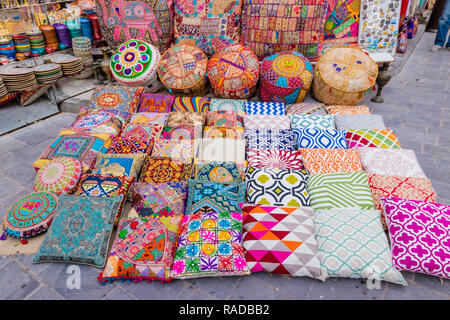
(341, 110)
(331, 160)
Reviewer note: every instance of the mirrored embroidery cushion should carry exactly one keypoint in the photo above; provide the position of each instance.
(100, 121)
(281, 240)
(142, 131)
(236, 105)
(219, 171)
(191, 104)
(312, 121)
(176, 149)
(274, 158)
(306, 108)
(210, 245)
(116, 97)
(80, 231)
(119, 165)
(186, 118)
(224, 118)
(419, 235)
(58, 176)
(375, 138)
(352, 244)
(163, 169)
(399, 187)
(277, 187)
(268, 108)
(360, 121)
(315, 138)
(205, 196)
(222, 132)
(331, 160)
(152, 118)
(258, 121)
(340, 190)
(31, 215)
(221, 149)
(182, 132)
(143, 249)
(270, 139)
(156, 103)
(131, 144)
(343, 110)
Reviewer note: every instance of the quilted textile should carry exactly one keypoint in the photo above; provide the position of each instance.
(161, 169)
(119, 165)
(222, 149)
(374, 138)
(316, 138)
(224, 118)
(191, 104)
(270, 139)
(219, 171)
(268, 108)
(116, 97)
(312, 121)
(360, 121)
(186, 118)
(222, 132)
(331, 160)
(156, 103)
(263, 121)
(58, 176)
(236, 105)
(306, 108)
(182, 150)
(344, 110)
(274, 158)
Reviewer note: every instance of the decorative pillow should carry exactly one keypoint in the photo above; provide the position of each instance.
(331, 160)
(312, 121)
(419, 235)
(161, 169)
(225, 118)
(186, 118)
(340, 190)
(274, 158)
(372, 138)
(143, 249)
(80, 231)
(315, 138)
(316, 108)
(277, 187)
(281, 240)
(207, 197)
(391, 162)
(222, 132)
(220, 149)
(210, 245)
(352, 244)
(152, 118)
(156, 103)
(116, 97)
(399, 187)
(260, 121)
(182, 132)
(342, 110)
(100, 121)
(58, 176)
(270, 139)
(269, 108)
(142, 131)
(191, 104)
(219, 171)
(182, 150)
(119, 165)
(132, 143)
(236, 105)
(360, 121)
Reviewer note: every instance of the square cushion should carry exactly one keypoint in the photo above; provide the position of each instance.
(342, 110)
(375, 138)
(259, 121)
(277, 187)
(221, 149)
(156, 103)
(182, 132)
(119, 165)
(360, 121)
(315, 138)
(268, 108)
(116, 97)
(281, 240)
(136, 140)
(270, 139)
(316, 108)
(219, 171)
(419, 235)
(352, 244)
(391, 162)
(340, 190)
(152, 118)
(274, 158)
(210, 245)
(182, 150)
(142, 131)
(236, 105)
(191, 104)
(80, 230)
(163, 169)
(100, 121)
(222, 132)
(225, 118)
(312, 121)
(331, 160)
(186, 118)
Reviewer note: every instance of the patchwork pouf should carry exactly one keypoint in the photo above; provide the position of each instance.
(134, 63)
(285, 77)
(182, 69)
(58, 176)
(31, 215)
(234, 72)
(343, 76)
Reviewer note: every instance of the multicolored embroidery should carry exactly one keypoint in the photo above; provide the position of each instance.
(161, 169)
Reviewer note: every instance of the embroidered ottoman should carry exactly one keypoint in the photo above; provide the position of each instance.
(234, 72)
(182, 69)
(285, 77)
(58, 176)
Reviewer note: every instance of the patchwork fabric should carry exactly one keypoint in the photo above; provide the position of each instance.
(131, 144)
(352, 244)
(268, 108)
(160, 170)
(119, 165)
(100, 121)
(277, 187)
(360, 121)
(274, 158)
(116, 97)
(142, 131)
(225, 118)
(312, 121)
(222, 132)
(419, 235)
(182, 132)
(342, 22)
(182, 150)
(270, 139)
(210, 245)
(152, 118)
(281, 240)
(259, 121)
(315, 138)
(220, 149)
(80, 231)
(58, 176)
(219, 171)
(236, 105)
(316, 108)
(191, 104)
(331, 160)
(340, 190)
(372, 138)
(186, 118)
(156, 103)
(343, 110)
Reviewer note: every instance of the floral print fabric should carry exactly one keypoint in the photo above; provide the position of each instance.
(331, 160)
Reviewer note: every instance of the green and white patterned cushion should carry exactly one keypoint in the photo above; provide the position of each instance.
(352, 244)
(340, 190)
(312, 121)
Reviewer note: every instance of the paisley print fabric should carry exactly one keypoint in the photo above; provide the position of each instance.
(219, 171)
(331, 160)
(315, 138)
(274, 158)
(160, 170)
(270, 139)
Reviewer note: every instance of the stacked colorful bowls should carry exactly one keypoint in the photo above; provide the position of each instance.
(47, 73)
(50, 38)
(82, 49)
(36, 42)
(86, 28)
(22, 44)
(74, 28)
(63, 34)
(7, 48)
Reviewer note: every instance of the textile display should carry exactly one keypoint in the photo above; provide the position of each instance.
(375, 138)
(119, 165)
(266, 108)
(186, 118)
(312, 121)
(306, 108)
(58, 176)
(144, 132)
(100, 121)
(149, 118)
(161, 169)
(263, 121)
(156, 103)
(342, 23)
(236, 105)
(116, 97)
(222, 132)
(224, 118)
(182, 150)
(221, 149)
(269, 139)
(134, 141)
(331, 160)
(219, 171)
(315, 138)
(182, 132)
(274, 158)
(191, 104)
(344, 110)
(360, 121)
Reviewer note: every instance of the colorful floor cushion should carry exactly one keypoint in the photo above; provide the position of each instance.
(207, 197)
(100, 121)
(31, 215)
(360, 121)
(80, 231)
(312, 121)
(163, 169)
(131, 143)
(219, 171)
(186, 118)
(281, 240)
(274, 158)
(222, 132)
(210, 245)
(142, 131)
(191, 104)
(153, 118)
(277, 187)
(316, 108)
(268, 139)
(224, 118)
(182, 150)
(399, 187)
(391, 162)
(316, 138)
(116, 97)
(182, 132)
(119, 165)
(266, 108)
(76, 145)
(374, 138)
(340, 190)
(352, 244)
(236, 105)
(263, 121)
(221, 149)
(331, 160)
(58, 176)
(156, 103)
(343, 110)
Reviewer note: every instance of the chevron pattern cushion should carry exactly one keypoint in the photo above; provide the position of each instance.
(312, 121)
(268, 108)
(375, 138)
(315, 138)
(270, 139)
(306, 108)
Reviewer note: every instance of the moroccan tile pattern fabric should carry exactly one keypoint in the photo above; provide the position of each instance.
(263, 121)
(268, 108)
(274, 158)
(360, 121)
(156, 103)
(270, 139)
(219, 171)
(316, 138)
(164, 169)
(116, 97)
(331, 160)
(375, 138)
(312, 121)
(343, 110)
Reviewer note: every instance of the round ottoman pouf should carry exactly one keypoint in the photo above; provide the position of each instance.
(234, 72)
(30, 216)
(182, 69)
(343, 76)
(58, 176)
(134, 63)
(285, 77)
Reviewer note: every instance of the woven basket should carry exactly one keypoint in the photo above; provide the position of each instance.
(343, 76)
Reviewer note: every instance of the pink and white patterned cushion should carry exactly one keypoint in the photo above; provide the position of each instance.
(263, 121)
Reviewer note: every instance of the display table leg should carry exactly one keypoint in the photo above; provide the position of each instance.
(383, 78)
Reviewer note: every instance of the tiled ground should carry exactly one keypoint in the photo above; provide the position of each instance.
(417, 106)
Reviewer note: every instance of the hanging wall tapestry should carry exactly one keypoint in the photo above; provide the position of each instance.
(342, 23)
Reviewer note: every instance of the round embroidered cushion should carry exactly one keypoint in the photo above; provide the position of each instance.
(31, 215)
(234, 72)
(285, 77)
(58, 176)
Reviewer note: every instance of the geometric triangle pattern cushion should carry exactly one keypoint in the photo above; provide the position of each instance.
(375, 138)
(281, 240)
(331, 160)
(267, 108)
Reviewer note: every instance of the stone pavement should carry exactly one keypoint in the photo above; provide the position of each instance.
(417, 106)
